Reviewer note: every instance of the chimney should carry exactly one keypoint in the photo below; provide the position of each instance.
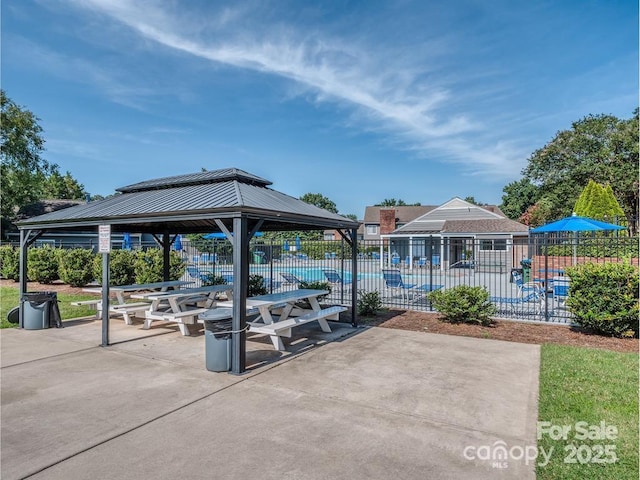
(387, 220)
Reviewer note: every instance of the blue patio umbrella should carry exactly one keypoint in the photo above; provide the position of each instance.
(285, 246)
(298, 244)
(177, 244)
(576, 224)
(126, 241)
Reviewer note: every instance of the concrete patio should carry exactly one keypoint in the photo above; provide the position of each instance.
(358, 403)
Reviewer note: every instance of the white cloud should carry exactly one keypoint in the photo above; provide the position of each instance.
(390, 92)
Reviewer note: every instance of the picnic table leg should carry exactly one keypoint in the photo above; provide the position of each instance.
(324, 325)
(184, 329)
(277, 342)
(315, 306)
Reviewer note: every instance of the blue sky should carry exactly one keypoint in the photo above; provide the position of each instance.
(357, 100)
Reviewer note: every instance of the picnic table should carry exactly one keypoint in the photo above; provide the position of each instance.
(181, 306)
(288, 313)
(121, 307)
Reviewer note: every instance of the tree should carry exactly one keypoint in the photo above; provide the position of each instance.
(602, 148)
(473, 201)
(320, 201)
(62, 187)
(598, 202)
(537, 214)
(392, 202)
(22, 169)
(518, 197)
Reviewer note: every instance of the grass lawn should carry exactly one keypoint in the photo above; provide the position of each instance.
(9, 299)
(593, 386)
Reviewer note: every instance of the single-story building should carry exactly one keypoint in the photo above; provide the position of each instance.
(459, 233)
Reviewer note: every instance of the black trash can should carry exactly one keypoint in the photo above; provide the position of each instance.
(40, 310)
(217, 344)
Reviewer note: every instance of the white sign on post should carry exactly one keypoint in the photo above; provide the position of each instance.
(104, 238)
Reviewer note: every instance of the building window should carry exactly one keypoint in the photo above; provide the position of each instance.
(493, 244)
(372, 229)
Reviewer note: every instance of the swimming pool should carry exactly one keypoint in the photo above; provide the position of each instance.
(306, 274)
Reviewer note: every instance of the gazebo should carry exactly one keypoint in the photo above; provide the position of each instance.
(231, 201)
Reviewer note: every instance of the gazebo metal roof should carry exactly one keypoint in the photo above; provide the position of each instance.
(229, 200)
(191, 203)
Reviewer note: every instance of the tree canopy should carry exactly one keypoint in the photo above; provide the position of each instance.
(598, 202)
(22, 169)
(392, 202)
(319, 200)
(25, 176)
(602, 148)
(62, 186)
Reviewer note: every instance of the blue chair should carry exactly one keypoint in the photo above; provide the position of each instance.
(422, 262)
(197, 274)
(407, 261)
(290, 281)
(435, 260)
(561, 290)
(394, 284)
(375, 255)
(395, 259)
(334, 279)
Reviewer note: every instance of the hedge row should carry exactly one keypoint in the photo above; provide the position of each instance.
(78, 267)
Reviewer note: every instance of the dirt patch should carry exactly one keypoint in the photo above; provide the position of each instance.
(430, 322)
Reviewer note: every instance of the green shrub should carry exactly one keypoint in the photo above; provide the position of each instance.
(10, 262)
(369, 303)
(604, 298)
(463, 304)
(212, 279)
(122, 270)
(76, 266)
(256, 286)
(43, 264)
(317, 285)
(149, 265)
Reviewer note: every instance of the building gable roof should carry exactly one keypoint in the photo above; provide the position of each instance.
(459, 216)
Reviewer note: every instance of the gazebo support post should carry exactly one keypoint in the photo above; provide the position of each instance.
(25, 241)
(105, 299)
(241, 280)
(354, 277)
(166, 258)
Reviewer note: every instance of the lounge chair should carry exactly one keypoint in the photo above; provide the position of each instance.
(291, 282)
(524, 305)
(395, 285)
(422, 262)
(530, 294)
(197, 274)
(524, 288)
(337, 283)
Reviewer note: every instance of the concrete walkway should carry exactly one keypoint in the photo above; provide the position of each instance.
(366, 404)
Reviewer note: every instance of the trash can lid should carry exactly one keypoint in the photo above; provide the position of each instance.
(39, 296)
(14, 315)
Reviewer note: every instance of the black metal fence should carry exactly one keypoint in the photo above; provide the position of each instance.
(525, 278)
